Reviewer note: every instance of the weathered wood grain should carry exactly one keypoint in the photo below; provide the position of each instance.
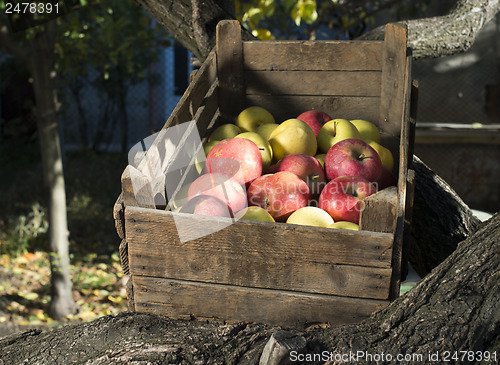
(290, 106)
(183, 299)
(313, 55)
(277, 242)
(340, 83)
(244, 269)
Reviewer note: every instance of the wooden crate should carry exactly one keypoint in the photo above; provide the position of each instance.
(275, 272)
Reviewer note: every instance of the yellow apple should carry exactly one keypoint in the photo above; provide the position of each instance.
(199, 163)
(180, 198)
(344, 225)
(335, 131)
(367, 130)
(224, 131)
(254, 213)
(310, 216)
(264, 147)
(321, 158)
(384, 154)
(265, 130)
(252, 117)
(293, 136)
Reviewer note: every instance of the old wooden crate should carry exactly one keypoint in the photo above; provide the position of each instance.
(274, 272)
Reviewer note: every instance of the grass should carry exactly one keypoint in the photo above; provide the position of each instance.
(92, 186)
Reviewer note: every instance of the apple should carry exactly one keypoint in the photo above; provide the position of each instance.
(225, 188)
(206, 205)
(264, 147)
(236, 157)
(335, 131)
(307, 168)
(280, 194)
(352, 157)
(265, 130)
(315, 119)
(310, 216)
(367, 130)
(321, 159)
(386, 179)
(384, 154)
(199, 161)
(254, 213)
(342, 197)
(225, 131)
(292, 136)
(344, 225)
(252, 117)
(180, 198)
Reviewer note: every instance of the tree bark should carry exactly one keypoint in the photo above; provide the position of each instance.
(449, 34)
(41, 66)
(455, 308)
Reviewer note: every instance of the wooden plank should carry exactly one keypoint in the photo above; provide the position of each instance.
(230, 67)
(207, 110)
(136, 189)
(275, 242)
(394, 76)
(287, 106)
(313, 83)
(321, 55)
(242, 269)
(184, 299)
(118, 216)
(379, 212)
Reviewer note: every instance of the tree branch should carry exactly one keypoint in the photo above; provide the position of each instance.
(449, 34)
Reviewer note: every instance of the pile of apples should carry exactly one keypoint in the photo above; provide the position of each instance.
(310, 170)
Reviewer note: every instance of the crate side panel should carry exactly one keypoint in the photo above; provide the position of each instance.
(178, 299)
(267, 241)
(312, 55)
(348, 83)
(290, 106)
(242, 269)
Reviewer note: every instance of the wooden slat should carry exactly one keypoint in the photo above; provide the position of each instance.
(183, 299)
(321, 55)
(136, 189)
(230, 67)
(286, 106)
(392, 95)
(379, 213)
(313, 83)
(271, 242)
(243, 269)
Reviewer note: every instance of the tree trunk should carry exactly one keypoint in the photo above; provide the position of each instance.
(449, 34)
(41, 66)
(454, 309)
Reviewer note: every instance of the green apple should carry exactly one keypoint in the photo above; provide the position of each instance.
(310, 216)
(265, 130)
(264, 147)
(252, 117)
(224, 131)
(335, 131)
(344, 225)
(199, 162)
(384, 154)
(180, 198)
(367, 130)
(321, 158)
(293, 136)
(254, 213)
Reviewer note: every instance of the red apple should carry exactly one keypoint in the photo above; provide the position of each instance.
(307, 168)
(342, 197)
(207, 205)
(281, 194)
(315, 119)
(225, 188)
(352, 157)
(386, 179)
(236, 157)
